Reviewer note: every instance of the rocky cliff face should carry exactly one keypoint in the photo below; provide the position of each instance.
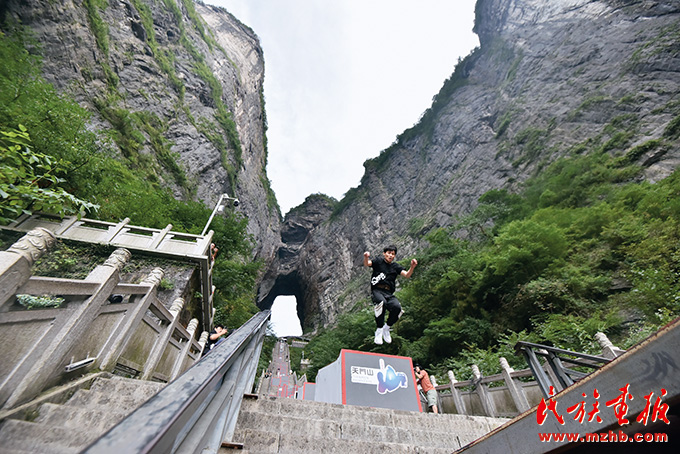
(194, 68)
(550, 78)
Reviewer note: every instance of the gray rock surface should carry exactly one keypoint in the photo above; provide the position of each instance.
(548, 76)
(74, 63)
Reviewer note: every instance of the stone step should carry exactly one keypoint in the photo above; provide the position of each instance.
(39, 438)
(71, 416)
(444, 423)
(72, 426)
(275, 406)
(122, 402)
(362, 430)
(5, 450)
(127, 386)
(342, 426)
(259, 441)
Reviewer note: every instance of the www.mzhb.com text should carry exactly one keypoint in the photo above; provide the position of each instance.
(605, 437)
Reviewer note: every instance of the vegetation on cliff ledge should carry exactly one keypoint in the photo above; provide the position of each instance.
(587, 247)
(51, 161)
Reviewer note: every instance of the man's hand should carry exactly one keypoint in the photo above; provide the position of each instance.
(409, 273)
(367, 259)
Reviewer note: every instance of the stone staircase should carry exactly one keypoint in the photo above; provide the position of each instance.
(270, 424)
(70, 427)
(265, 425)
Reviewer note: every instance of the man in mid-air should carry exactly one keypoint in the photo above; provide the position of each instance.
(383, 283)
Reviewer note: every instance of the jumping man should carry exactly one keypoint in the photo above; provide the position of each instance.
(383, 282)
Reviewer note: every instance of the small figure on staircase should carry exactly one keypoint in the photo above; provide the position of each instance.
(213, 252)
(215, 338)
(383, 283)
(426, 385)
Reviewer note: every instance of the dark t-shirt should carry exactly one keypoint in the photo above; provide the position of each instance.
(210, 344)
(385, 274)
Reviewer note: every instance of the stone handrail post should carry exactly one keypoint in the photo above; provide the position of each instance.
(457, 397)
(203, 340)
(39, 369)
(483, 392)
(163, 339)
(260, 381)
(439, 399)
(16, 262)
(177, 368)
(609, 350)
(514, 386)
(115, 346)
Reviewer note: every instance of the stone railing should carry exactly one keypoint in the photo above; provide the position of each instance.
(98, 323)
(157, 242)
(478, 396)
(504, 394)
(197, 413)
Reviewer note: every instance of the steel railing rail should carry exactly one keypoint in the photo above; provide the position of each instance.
(556, 357)
(197, 412)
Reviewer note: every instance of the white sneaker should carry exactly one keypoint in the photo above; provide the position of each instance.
(386, 334)
(378, 336)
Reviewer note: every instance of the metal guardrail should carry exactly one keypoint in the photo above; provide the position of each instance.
(556, 358)
(197, 412)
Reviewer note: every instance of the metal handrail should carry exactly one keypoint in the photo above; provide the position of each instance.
(197, 412)
(555, 357)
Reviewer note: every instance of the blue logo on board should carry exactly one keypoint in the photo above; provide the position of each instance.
(390, 380)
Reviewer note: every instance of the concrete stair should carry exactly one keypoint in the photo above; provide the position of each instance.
(281, 425)
(70, 427)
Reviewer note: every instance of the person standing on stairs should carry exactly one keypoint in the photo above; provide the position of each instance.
(425, 383)
(383, 284)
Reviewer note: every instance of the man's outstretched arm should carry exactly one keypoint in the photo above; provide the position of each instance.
(367, 260)
(408, 273)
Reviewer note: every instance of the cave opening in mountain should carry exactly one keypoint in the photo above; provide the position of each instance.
(285, 321)
(285, 299)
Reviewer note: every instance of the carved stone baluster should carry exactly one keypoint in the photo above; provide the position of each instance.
(44, 365)
(184, 354)
(609, 350)
(163, 339)
(514, 386)
(457, 396)
(116, 345)
(16, 262)
(483, 392)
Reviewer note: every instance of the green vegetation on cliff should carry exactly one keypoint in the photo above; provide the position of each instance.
(53, 162)
(586, 247)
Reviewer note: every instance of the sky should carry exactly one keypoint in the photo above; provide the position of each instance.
(342, 79)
